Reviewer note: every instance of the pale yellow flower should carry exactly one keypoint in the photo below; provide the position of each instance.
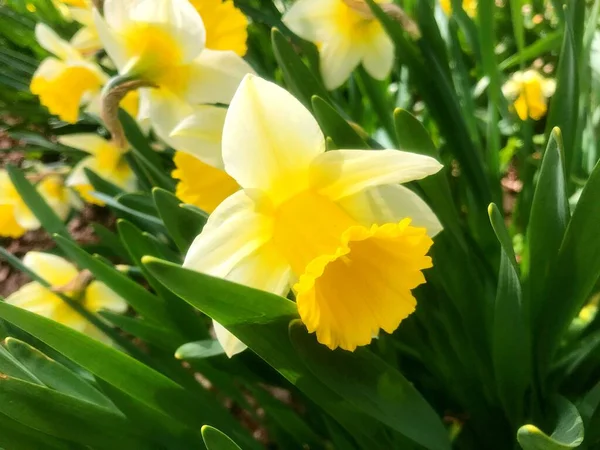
(60, 273)
(163, 42)
(336, 225)
(67, 80)
(226, 26)
(106, 160)
(15, 216)
(529, 91)
(200, 184)
(345, 37)
(469, 6)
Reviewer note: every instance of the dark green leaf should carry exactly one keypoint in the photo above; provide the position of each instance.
(16, 436)
(497, 221)
(336, 127)
(216, 440)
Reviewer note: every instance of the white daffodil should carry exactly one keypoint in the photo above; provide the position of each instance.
(67, 80)
(162, 42)
(336, 225)
(61, 274)
(86, 39)
(346, 34)
(15, 216)
(106, 160)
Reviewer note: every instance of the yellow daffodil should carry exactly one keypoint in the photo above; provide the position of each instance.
(67, 80)
(200, 184)
(346, 37)
(61, 274)
(336, 225)
(16, 218)
(225, 25)
(163, 42)
(86, 39)
(105, 159)
(529, 91)
(469, 6)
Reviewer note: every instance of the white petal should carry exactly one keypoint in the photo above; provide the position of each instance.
(340, 173)
(88, 142)
(34, 298)
(270, 139)
(339, 57)
(200, 134)
(86, 40)
(49, 68)
(25, 217)
(55, 270)
(165, 110)
(228, 341)
(548, 87)
(77, 177)
(378, 58)
(308, 18)
(391, 204)
(216, 76)
(52, 42)
(117, 12)
(110, 39)
(179, 18)
(99, 296)
(233, 231)
(83, 16)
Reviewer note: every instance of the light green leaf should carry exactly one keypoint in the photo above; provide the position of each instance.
(12, 367)
(497, 221)
(55, 375)
(217, 440)
(199, 350)
(540, 47)
(567, 434)
(374, 387)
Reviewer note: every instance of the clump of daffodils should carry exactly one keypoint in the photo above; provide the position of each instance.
(15, 216)
(335, 226)
(347, 35)
(63, 277)
(529, 91)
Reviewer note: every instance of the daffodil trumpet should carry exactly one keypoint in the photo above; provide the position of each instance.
(336, 227)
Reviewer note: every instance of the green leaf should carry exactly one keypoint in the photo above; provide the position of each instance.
(102, 185)
(260, 320)
(55, 375)
(12, 367)
(125, 373)
(335, 126)
(161, 337)
(38, 206)
(216, 440)
(140, 217)
(576, 271)
(182, 224)
(66, 417)
(145, 303)
(497, 221)
(16, 436)
(111, 241)
(541, 46)
(564, 106)
(547, 224)
(567, 434)
(299, 79)
(374, 387)
(199, 350)
(589, 404)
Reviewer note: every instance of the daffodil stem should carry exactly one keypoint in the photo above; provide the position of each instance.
(99, 5)
(77, 284)
(114, 91)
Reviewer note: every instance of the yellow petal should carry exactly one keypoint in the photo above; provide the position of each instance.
(55, 270)
(99, 296)
(340, 173)
(35, 298)
(270, 139)
(53, 190)
(200, 184)
(225, 25)
(63, 93)
(9, 227)
(346, 297)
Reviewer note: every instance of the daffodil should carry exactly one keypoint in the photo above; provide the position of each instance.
(86, 39)
(346, 37)
(529, 91)
(163, 43)
(200, 184)
(336, 226)
(63, 276)
(469, 6)
(66, 80)
(15, 216)
(106, 160)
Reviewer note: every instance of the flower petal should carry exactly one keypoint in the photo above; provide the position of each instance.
(9, 227)
(341, 173)
(270, 139)
(200, 134)
(99, 296)
(110, 39)
(165, 110)
(308, 18)
(25, 217)
(390, 204)
(378, 59)
(52, 42)
(339, 57)
(88, 142)
(228, 341)
(216, 76)
(55, 270)
(35, 298)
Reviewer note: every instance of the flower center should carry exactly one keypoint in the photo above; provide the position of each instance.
(353, 280)
(157, 55)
